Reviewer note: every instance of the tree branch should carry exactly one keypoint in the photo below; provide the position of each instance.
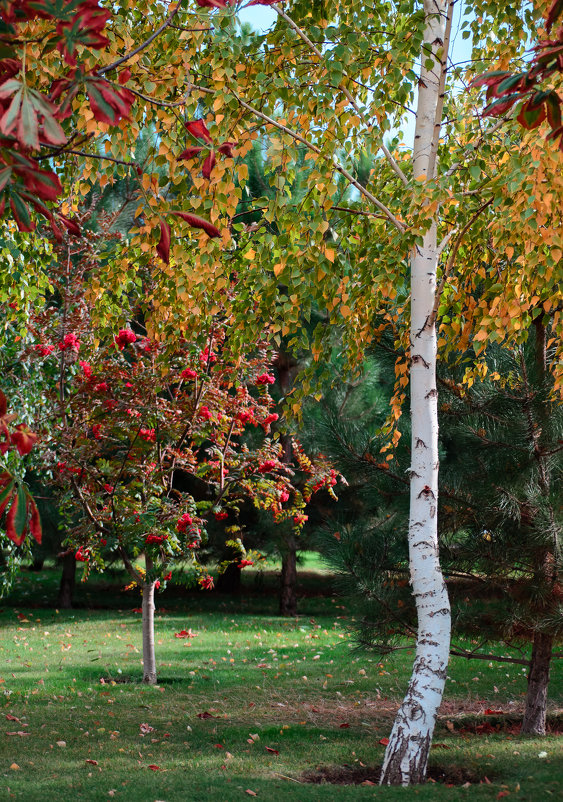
(302, 35)
(143, 45)
(298, 138)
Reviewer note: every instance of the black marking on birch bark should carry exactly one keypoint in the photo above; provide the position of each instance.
(427, 492)
(420, 443)
(432, 510)
(433, 393)
(443, 611)
(418, 358)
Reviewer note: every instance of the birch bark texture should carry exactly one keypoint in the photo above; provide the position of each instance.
(149, 660)
(406, 756)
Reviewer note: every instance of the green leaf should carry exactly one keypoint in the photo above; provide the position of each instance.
(21, 514)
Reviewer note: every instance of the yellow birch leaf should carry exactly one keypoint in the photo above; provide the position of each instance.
(329, 253)
(278, 268)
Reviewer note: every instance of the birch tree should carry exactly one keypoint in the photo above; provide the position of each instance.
(325, 86)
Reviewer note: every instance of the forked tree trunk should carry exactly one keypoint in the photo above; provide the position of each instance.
(149, 662)
(68, 579)
(288, 595)
(538, 682)
(406, 756)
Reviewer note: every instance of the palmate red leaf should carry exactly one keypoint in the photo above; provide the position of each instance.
(23, 439)
(208, 164)
(198, 129)
(163, 247)
(199, 222)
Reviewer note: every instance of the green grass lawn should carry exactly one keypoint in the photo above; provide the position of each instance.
(249, 704)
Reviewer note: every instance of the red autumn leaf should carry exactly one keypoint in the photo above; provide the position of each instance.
(205, 714)
(163, 247)
(12, 718)
(199, 222)
(489, 78)
(21, 214)
(384, 741)
(154, 767)
(23, 439)
(13, 519)
(227, 148)
(189, 153)
(71, 226)
(214, 3)
(344, 726)
(91, 762)
(554, 13)
(490, 712)
(531, 117)
(500, 106)
(198, 129)
(3, 404)
(124, 76)
(272, 751)
(502, 793)
(34, 521)
(208, 165)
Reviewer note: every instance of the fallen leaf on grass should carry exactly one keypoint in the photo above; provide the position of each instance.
(205, 714)
(384, 741)
(450, 726)
(272, 751)
(344, 726)
(502, 793)
(153, 767)
(91, 762)
(15, 767)
(440, 746)
(61, 743)
(186, 633)
(250, 793)
(12, 718)
(490, 712)
(19, 732)
(367, 782)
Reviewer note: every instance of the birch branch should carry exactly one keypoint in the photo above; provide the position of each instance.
(298, 138)
(302, 35)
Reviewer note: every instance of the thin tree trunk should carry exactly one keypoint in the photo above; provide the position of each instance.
(288, 596)
(538, 677)
(538, 681)
(68, 579)
(149, 661)
(406, 756)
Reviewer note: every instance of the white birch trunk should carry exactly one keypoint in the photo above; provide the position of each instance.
(406, 756)
(149, 661)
